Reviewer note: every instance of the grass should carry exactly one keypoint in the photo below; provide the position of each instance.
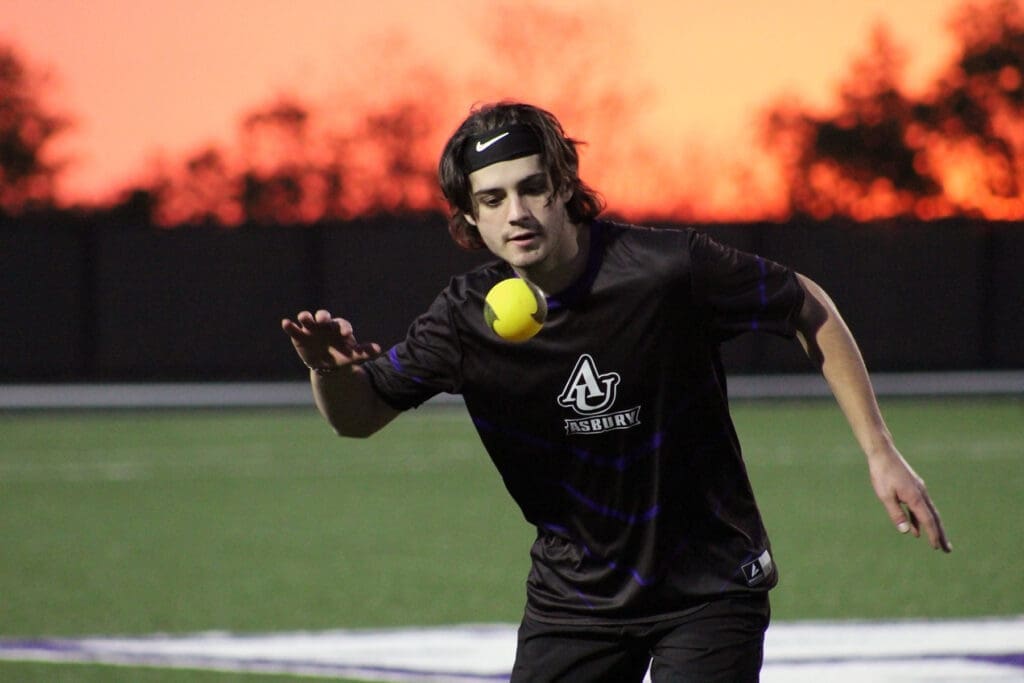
(840, 557)
(140, 522)
(250, 522)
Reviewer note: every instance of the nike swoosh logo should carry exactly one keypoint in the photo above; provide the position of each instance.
(482, 145)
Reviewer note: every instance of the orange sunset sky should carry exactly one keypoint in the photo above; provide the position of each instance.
(670, 92)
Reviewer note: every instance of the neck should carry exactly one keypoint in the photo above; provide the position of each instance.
(552, 278)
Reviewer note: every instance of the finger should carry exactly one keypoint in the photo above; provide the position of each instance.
(932, 523)
(941, 539)
(366, 351)
(945, 545)
(345, 329)
(294, 330)
(915, 522)
(305, 318)
(897, 515)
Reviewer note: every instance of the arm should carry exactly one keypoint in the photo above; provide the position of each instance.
(832, 348)
(343, 395)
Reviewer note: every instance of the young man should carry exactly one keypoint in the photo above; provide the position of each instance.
(611, 427)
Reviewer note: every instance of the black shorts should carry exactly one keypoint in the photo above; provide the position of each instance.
(722, 641)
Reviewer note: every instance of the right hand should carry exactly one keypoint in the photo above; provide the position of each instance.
(325, 342)
(905, 497)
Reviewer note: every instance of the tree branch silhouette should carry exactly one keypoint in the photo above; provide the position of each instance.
(881, 153)
(28, 173)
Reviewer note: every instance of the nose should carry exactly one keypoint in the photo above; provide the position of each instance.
(517, 209)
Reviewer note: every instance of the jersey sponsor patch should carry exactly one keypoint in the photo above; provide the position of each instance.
(591, 393)
(756, 571)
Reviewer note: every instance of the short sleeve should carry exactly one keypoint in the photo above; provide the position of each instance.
(421, 366)
(742, 292)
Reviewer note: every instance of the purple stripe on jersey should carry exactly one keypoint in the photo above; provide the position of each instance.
(583, 597)
(619, 462)
(533, 441)
(397, 365)
(605, 511)
(640, 579)
(762, 288)
(611, 564)
(614, 566)
(525, 437)
(762, 283)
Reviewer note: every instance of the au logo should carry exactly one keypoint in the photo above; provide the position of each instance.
(591, 393)
(587, 391)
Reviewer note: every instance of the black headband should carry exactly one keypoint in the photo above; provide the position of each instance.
(500, 144)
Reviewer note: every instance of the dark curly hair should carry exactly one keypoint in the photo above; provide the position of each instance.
(559, 158)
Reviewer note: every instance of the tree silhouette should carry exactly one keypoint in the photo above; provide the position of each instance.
(859, 161)
(296, 162)
(400, 139)
(274, 185)
(27, 130)
(881, 153)
(270, 179)
(972, 124)
(204, 192)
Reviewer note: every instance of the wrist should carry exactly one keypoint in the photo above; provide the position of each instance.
(881, 448)
(324, 370)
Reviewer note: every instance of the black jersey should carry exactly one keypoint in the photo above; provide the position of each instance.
(611, 428)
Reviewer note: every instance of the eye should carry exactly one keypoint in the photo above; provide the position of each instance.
(490, 201)
(535, 186)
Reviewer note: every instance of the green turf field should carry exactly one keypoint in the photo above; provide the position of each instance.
(141, 522)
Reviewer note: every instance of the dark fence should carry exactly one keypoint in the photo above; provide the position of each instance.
(82, 301)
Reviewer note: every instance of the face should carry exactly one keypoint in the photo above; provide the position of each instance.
(521, 219)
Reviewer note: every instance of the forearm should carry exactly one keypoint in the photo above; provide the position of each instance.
(349, 403)
(831, 346)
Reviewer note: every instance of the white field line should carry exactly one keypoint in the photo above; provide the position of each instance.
(260, 394)
(840, 652)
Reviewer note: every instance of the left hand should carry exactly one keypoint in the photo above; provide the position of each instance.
(906, 499)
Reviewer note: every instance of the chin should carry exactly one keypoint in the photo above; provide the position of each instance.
(525, 261)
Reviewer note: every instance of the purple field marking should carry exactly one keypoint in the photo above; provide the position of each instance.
(64, 649)
(1014, 659)
(819, 650)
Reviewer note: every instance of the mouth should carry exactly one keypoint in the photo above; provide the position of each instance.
(523, 238)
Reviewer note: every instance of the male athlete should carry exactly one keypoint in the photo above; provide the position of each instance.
(611, 427)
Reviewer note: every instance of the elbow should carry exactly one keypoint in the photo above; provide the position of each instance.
(355, 431)
(355, 420)
(811, 318)
(816, 310)
(362, 426)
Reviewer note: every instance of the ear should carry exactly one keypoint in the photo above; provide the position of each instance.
(469, 219)
(565, 193)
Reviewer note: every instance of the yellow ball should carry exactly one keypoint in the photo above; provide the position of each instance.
(515, 310)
